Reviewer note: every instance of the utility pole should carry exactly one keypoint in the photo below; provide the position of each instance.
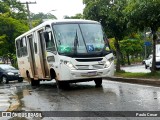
(29, 16)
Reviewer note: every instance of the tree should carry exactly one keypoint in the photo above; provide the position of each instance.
(14, 8)
(110, 14)
(11, 28)
(145, 13)
(13, 23)
(42, 16)
(131, 47)
(3, 7)
(38, 18)
(77, 16)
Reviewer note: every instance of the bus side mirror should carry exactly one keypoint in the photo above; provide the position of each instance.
(46, 36)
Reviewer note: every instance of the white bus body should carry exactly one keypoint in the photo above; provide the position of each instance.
(65, 50)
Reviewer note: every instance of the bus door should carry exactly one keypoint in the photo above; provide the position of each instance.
(43, 52)
(32, 56)
(50, 48)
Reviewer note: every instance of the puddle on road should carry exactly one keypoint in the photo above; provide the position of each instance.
(11, 95)
(21, 92)
(13, 101)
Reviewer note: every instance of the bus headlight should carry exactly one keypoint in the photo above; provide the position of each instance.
(107, 64)
(70, 65)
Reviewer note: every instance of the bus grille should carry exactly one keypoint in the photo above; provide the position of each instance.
(89, 60)
(90, 67)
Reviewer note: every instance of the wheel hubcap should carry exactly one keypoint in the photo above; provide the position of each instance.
(4, 79)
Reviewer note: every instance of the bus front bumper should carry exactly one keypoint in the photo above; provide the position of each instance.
(87, 74)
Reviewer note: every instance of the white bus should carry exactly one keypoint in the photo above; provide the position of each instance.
(65, 50)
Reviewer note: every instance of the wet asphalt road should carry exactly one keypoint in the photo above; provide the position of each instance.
(112, 96)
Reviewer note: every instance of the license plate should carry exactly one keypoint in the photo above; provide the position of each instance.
(92, 73)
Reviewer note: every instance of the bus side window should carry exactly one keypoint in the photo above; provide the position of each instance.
(24, 47)
(21, 46)
(35, 43)
(18, 48)
(50, 45)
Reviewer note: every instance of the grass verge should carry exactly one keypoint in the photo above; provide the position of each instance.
(124, 74)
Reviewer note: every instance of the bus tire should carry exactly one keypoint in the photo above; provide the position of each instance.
(62, 84)
(98, 82)
(59, 84)
(20, 80)
(32, 81)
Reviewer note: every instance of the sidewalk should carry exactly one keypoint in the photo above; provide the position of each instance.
(135, 80)
(135, 68)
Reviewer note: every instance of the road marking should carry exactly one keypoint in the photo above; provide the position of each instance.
(4, 100)
(4, 104)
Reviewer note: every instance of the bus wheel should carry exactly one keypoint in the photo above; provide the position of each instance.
(62, 84)
(98, 82)
(32, 81)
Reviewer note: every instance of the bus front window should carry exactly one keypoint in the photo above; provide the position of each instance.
(76, 39)
(93, 36)
(65, 35)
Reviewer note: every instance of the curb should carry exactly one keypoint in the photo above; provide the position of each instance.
(135, 80)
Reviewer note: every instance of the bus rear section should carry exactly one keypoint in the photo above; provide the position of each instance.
(67, 51)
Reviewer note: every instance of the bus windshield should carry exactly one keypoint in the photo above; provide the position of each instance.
(80, 39)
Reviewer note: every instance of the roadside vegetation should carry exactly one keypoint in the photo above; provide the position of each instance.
(155, 75)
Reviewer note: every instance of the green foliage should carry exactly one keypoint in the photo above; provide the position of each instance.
(3, 7)
(13, 19)
(11, 28)
(42, 16)
(144, 13)
(36, 22)
(14, 8)
(110, 15)
(111, 42)
(38, 18)
(131, 46)
(77, 16)
(138, 75)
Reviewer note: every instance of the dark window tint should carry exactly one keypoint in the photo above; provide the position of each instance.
(50, 45)
(21, 46)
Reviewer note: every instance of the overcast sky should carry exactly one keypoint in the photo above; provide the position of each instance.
(62, 7)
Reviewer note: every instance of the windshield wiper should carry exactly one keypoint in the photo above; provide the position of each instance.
(76, 43)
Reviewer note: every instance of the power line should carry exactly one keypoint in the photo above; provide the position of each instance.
(29, 16)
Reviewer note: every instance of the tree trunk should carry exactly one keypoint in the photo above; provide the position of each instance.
(122, 59)
(153, 68)
(128, 59)
(117, 55)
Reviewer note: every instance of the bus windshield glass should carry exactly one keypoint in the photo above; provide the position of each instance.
(80, 39)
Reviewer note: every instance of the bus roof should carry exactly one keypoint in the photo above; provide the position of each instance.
(49, 22)
(71, 21)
